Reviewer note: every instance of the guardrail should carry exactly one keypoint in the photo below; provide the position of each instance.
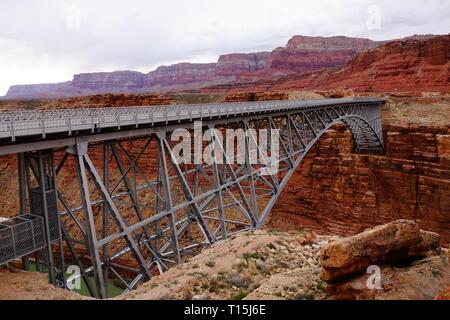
(20, 236)
(23, 123)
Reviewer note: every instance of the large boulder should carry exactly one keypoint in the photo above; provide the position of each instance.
(396, 241)
(424, 279)
(429, 245)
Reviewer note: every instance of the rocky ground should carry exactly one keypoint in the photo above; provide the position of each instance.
(268, 264)
(257, 265)
(20, 285)
(279, 265)
(423, 280)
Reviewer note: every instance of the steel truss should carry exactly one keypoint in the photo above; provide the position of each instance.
(128, 210)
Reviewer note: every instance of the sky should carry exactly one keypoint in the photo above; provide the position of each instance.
(44, 41)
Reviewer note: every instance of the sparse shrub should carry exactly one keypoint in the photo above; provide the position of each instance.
(210, 263)
(302, 295)
(205, 285)
(253, 255)
(237, 280)
(278, 294)
(215, 285)
(321, 286)
(240, 295)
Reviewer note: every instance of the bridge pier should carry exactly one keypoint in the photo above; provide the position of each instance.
(37, 191)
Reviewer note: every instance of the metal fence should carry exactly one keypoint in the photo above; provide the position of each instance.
(20, 236)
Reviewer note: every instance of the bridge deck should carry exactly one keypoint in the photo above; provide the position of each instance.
(70, 121)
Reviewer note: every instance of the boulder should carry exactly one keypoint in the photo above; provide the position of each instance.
(392, 242)
(429, 245)
(425, 279)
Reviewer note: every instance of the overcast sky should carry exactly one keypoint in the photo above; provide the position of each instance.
(50, 40)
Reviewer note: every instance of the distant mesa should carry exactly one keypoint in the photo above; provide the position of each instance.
(305, 62)
(413, 64)
(300, 54)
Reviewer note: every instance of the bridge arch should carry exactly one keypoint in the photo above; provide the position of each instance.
(357, 125)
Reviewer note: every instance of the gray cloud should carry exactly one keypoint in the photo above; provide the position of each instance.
(41, 40)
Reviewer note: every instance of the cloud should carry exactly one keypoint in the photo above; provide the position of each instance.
(46, 40)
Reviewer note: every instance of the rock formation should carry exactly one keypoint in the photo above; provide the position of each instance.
(118, 80)
(424, 279)
(237, 63)
(337, 191)
(43, 90)
(393, 242)
(416, 65)
(301, 54)
(410, 262)
(413, 64)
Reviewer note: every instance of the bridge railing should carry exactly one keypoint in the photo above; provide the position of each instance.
(22, 123)
(20, 236)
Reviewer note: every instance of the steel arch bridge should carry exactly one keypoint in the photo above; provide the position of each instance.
(102, 189)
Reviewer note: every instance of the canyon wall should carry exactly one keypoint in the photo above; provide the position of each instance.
(414, 64)
(301, 54)
(417, 65)
(128, 80)
(237, 63)
(337, 191)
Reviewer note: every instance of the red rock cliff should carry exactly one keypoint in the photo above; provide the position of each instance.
(418, 64)
(300, 55)
(304, 54)
(182, 73)
(125, 80)
(340, 192)
(237, 63)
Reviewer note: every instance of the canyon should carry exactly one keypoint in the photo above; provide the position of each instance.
(335, 192)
